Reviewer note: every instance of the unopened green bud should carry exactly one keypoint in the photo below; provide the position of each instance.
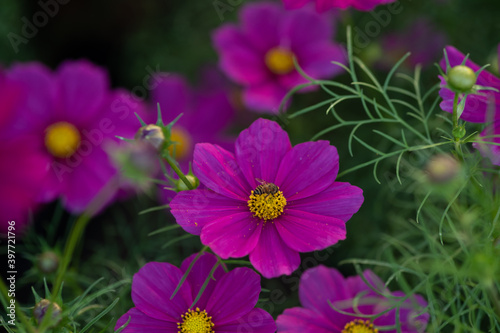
(152, 134)
(47, 262)
(181, 186)
(459, 132)
(461, 78)
(42, 307)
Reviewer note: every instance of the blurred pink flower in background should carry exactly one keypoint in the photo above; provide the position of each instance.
(72, 113)
(258, 53)
(23, 167)
(324, 5)
(206, 113)
(334, 304)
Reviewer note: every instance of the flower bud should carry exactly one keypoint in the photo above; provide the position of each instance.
(47, 262)
(152, 134)
(42, 307)
(442, 168)
(181, 186)
(461, 78)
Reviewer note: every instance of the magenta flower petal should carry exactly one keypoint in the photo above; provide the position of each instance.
(260, 149)
(305, 232)
(241, 228)
(317, 60)
(264, 97)
(341, 200)
(412, 320)
(23, 172)
(325, 295)
(307, 169)
(217, 110)
(259, 23)
(82, 183)
(226, 309)
(82, 87)
(316, 287)
(212, 161)
(193, 209)
(271, 256)
(302, 320)
(39, 96)
(239, 61)
(304, 29)
(356, 285)
(152, 288)
(324, 5)
(256, 321)
(294, 4)
(198, 275)
(172, 93)
(140, 322)
(228, 300)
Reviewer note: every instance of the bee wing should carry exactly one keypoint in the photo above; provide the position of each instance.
(260, 180)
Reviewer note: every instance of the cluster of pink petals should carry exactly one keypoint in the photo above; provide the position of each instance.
(23, 167)
(313, 219)
(77, 93)
(229, 298)
(264, 26)
(330, 301)
(324, 5)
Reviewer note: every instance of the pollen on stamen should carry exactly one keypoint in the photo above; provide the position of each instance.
(359, 326)
(267, 206)
(195, 321)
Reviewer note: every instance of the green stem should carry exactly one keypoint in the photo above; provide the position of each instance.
(458, 148)
(19, 313)
(79, 227)
(178, 171)
(455, 111)
(75, 235)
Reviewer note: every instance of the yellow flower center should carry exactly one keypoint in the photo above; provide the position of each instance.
(267, 206)
(279, 60)
(195, 321)
(62, 139)
(359, 326)
(181, 143)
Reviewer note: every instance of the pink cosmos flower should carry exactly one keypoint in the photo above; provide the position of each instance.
(479, 108)
(23, 167)
(205, 114)
(258, 54)
(268, 200)
(227, 304)
(327, 298)
(72, 113)
(324, 5)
